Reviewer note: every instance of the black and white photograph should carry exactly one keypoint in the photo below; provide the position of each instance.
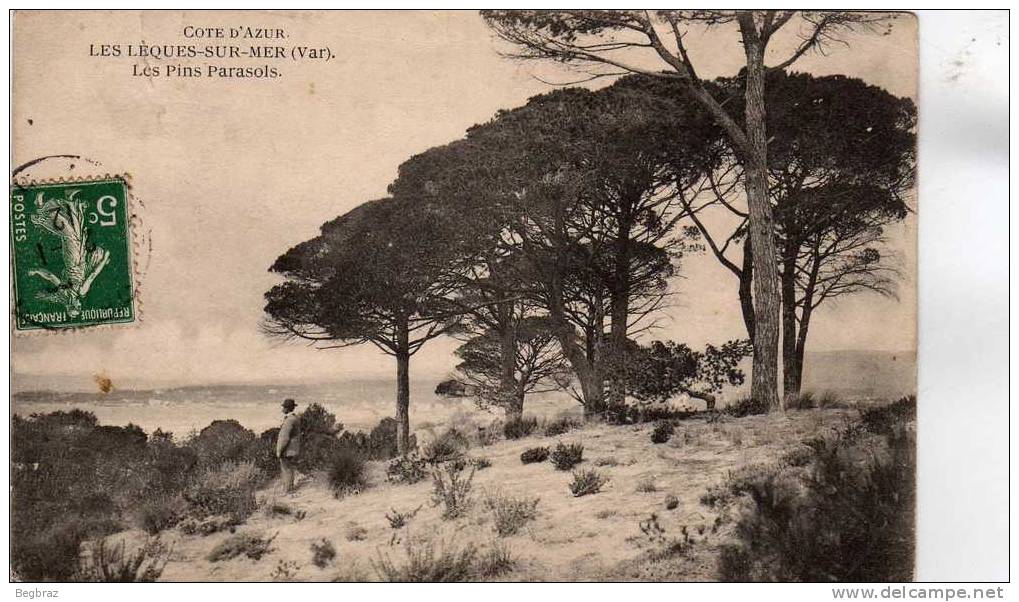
(494, 295)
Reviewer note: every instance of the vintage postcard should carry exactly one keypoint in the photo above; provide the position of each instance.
(499, 295)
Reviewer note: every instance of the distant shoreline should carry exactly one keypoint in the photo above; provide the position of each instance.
(23, 384)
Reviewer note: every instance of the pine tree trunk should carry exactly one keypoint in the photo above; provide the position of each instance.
(790, 367)
(764, 385)
(403, 390)
(801, 345)
(746, 293)
(585, 368)
(620, 313)
(508, 358)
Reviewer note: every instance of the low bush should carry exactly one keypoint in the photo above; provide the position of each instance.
(830, 399)
(450, 445)
(451, 488)
(221, 442)
(355, 532)
(285, 571)
(227, 489)
(846, 516)
(802, 401)
(565, 457)
(647, 484)
(275, 508)
(399, 520)
(641, 413)
(424, 564)
(248, 544)
(489, 434)
(737, 483)
(560, 425)
(662, 432)
(106, 563)
(496, 560)
(52, 552)
(160, 512)
(746, 406)
(586, 482)
(888, 418)
(510, 513)
(534, 455)
(517, 428)
(205, 526)
(379, 444)
(347, 473)
(323, 552)
(406, 470)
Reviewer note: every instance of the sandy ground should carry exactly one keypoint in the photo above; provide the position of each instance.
(595, 537)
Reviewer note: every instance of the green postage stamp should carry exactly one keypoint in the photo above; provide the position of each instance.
(71, 254)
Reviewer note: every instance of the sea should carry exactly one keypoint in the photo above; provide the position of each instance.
(357, 404)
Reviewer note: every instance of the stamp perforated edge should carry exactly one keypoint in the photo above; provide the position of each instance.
(135, 221)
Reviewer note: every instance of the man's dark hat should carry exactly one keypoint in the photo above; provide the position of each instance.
(289, 404)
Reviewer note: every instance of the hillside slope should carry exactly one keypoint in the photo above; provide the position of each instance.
(595, 537)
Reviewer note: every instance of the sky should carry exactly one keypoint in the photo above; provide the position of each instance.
(228, 174)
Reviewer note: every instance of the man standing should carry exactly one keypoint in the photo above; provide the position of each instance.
(288, 444)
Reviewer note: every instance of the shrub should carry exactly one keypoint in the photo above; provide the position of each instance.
(323, 552)
(565, 457)
(399, 520)
(285, 571)
(228, 489)
(746, 406)
(451, 489)
(511, 513)
(423, 564)
(317, 419)
(534, 454)
(406, 470)
(206, 526)
(560, 425)
(273, 508)
(448, 446)
(489, 433)
(355, 532)
(738, 482)
(848, 518)
(347, 473)
(382, 440)
(887, 418)
(247, 544)
(647, 485)
(586, 482)
(802, 401)
(497, 560)
(170, 467)
(517, 428)
(641, 413)
(160, 513)
(451, 387)
(52, 552)
(662, 546)
(830, 399)
(662, 432)
(110, 564)
(220, 442)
